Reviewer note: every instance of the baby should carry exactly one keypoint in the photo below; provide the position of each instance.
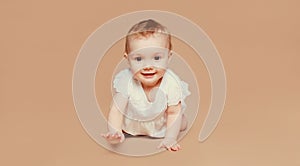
(149, 97)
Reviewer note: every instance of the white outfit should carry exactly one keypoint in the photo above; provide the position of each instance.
(144, 117)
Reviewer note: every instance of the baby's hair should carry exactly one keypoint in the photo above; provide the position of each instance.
(145, 29)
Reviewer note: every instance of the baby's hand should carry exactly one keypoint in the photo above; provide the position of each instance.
(114, 137)
(169, 144)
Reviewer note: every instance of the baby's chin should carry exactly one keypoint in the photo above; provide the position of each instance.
(149, 83)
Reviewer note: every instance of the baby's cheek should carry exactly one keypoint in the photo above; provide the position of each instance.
(135, 75)
(134, 72)
(161, 72)
(135, 66)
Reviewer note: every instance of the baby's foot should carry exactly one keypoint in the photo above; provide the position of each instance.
(170, 145)
(114, 138)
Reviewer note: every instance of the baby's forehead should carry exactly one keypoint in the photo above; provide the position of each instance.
(150, 50)
(152, 42)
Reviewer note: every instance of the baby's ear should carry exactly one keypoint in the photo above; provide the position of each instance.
(125, 55)
(170, 55)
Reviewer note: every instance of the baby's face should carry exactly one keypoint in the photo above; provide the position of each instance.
(148, 59)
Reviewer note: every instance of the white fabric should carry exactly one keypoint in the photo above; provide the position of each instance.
(143, 117)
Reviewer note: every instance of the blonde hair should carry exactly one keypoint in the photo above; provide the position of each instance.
(145, 29)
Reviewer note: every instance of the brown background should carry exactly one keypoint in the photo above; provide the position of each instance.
(257, 40)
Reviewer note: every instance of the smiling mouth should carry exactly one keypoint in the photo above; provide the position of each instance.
(148, 74)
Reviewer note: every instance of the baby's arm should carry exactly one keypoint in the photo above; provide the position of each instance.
(174, 120)
(115, 120)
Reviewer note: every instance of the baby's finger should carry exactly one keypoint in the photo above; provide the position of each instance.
(177, 146)
(162, 146)
(104, 135)
(174, 148)
(122, 138)
(119, 135)
(113, 136)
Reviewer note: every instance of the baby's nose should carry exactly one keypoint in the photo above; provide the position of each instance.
(147, 68)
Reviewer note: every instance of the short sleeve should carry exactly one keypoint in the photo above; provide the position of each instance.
(177, 90)
(121, 82)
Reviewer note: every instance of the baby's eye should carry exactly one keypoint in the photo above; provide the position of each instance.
(157, 58)
(138, 59)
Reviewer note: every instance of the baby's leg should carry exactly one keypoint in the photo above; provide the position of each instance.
(184, 123)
